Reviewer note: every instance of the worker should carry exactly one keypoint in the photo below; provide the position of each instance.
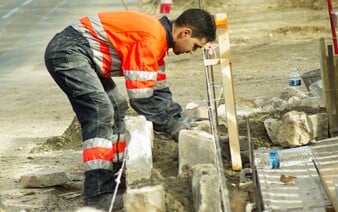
(84, 58)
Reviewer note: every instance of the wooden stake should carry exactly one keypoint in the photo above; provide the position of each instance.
(329, 79)
(325, 78)
(228, 90)
(333, 127)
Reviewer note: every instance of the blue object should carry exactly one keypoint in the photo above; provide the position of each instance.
(295, 82)
(275, 161)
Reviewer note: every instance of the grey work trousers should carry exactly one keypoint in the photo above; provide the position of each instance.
(95, 99)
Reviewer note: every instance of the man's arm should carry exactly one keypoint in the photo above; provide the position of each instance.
(159, 109)
(150, 95)
(165, 114)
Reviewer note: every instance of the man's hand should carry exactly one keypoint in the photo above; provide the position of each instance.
(174, 125)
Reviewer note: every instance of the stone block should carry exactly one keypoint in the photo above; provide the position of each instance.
(149, 198)
(206, 188)
(139, 137)
(271, 126)
(88, 209)
(295, 130)
(44, 178)
(195, 147)
(320, 125)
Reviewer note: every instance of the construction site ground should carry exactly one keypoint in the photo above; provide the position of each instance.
(268, 38)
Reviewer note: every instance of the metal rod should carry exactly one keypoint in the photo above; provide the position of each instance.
(255, 187)
(118, 181)
(212, 77)
(251, 155)
(219, 160)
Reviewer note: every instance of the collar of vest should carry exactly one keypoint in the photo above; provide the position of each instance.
(168, 28)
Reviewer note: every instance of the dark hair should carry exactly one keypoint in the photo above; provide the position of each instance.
(200, 21)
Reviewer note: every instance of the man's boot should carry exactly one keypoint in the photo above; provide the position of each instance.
(99, 187)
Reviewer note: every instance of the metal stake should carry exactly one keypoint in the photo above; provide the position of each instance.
(213, 125)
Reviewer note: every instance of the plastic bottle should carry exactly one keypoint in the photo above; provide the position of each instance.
(283, 158)
(295, 80)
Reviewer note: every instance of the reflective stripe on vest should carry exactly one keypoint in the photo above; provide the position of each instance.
(140, 84)
(103, 52)
(98, 153)
(161, 79)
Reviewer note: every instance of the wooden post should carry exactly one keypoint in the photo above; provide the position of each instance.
(329, 79)
(330, 61)
(228, 90)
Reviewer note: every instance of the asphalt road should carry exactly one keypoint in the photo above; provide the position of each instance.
(26, 89)
(27, 25)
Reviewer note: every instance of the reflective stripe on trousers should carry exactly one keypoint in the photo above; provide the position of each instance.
(99, 153)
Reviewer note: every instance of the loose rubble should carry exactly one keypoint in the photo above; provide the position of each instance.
(285, 124)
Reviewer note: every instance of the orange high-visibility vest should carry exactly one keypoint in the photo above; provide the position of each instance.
(128, 43)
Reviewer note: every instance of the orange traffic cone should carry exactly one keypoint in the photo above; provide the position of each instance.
(165, 6)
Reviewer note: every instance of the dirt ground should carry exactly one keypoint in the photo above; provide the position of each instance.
(268, 39)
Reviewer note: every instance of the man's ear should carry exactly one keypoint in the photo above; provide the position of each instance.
(186, 32)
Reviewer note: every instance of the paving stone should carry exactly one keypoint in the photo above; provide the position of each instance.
(272, 125)
(195, 147)
(88, 209)
(139, 137)
(206, 188)
(149, 198)
(44, 178)
(320, 125)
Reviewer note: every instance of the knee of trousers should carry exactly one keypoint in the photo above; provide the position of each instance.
(118, 100)
(95, 114)
(101, 103)
(122, 108)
